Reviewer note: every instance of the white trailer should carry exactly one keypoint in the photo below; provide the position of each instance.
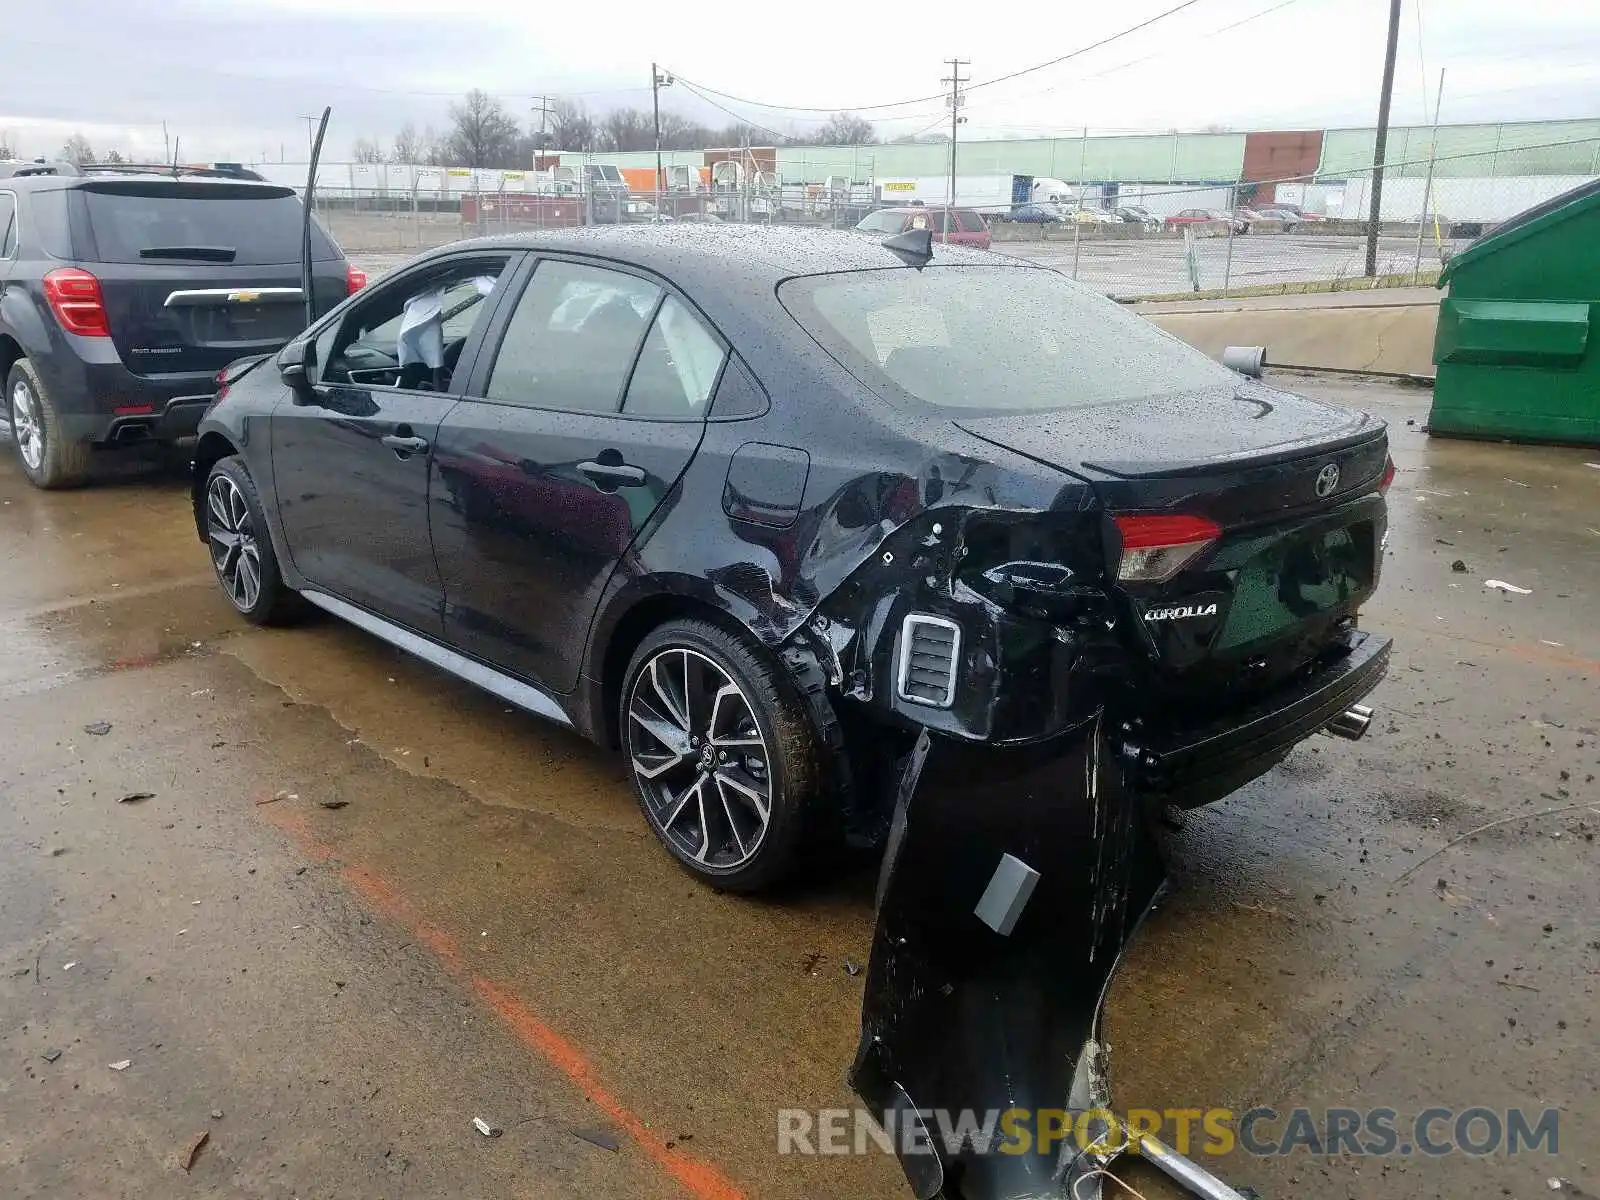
(986, 193)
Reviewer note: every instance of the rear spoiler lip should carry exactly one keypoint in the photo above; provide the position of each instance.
(1310, 447)
(186, 297)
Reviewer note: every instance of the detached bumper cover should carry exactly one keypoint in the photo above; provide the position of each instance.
(1196, 764)
(1012, 880)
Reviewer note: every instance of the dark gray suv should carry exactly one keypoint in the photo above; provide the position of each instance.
(122, 294)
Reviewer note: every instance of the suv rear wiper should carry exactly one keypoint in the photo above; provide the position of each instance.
(201, 253)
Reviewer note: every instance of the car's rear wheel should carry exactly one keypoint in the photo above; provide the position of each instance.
(241, 546)
(48, 458)
(724, 759)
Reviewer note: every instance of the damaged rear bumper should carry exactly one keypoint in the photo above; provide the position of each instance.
(1190, 765)
(1013, 879)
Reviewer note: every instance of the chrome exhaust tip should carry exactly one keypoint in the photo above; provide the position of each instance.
(1351, 723)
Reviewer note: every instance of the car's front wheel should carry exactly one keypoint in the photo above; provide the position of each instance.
(725, 761)
(241, 546)
(48, 457)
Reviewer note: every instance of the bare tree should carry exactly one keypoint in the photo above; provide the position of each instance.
(436, 151)
(407, 146)
(366, 150)
(77, 150)
(570, 127)
(114, 157)
(846, 129)
(678, 132)
(739, 134)
(626, 129)
(483, 134)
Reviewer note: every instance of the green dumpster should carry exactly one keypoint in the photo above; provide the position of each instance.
(1517, 346)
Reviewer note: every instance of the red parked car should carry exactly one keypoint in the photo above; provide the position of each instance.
(1205, 216)
(958, 226)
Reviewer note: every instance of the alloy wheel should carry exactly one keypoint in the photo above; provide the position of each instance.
(235, 553)
(26, 427)
(701, 762)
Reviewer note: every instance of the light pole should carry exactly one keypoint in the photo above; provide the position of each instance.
(658, 80)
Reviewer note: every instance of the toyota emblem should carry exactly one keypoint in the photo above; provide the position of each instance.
(1327, 480)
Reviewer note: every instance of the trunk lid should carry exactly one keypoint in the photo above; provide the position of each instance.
(1293, 490)
(197, 273)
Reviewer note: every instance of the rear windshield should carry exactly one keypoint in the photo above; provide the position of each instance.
(997, 339)
(970, 221)
(259, 225)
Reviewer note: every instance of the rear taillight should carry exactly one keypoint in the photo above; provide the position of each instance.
(74, 296)
(1388, 475)
(354, 279)
(1155, 548)
(222, 383)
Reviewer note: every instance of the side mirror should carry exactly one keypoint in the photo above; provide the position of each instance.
(294, 364)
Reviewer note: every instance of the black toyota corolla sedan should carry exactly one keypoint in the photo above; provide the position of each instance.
(758, 507)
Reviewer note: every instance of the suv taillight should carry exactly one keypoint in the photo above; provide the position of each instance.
(74, 296)
(354, 279)
(1155, 548)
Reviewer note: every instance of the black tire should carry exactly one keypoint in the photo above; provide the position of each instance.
(240, 545)
(49, 459)
(715, 840)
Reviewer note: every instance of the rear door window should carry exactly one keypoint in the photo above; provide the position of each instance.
(190, 221)
(572, 339)
(677, 368)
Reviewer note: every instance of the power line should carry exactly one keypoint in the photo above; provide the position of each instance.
(860, 108)
(1266, 12)
(744, 120)
(782, 137)
(1149, 57)
(801, 108)
(1105, 41)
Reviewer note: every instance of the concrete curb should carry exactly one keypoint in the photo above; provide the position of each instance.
(1378, 337)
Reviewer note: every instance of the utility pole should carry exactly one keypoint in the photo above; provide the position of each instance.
(658, 80)
(311, 130)
(1380, 144)
(955, 100)
(544, 110)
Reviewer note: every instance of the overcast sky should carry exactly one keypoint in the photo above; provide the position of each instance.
(234, 79)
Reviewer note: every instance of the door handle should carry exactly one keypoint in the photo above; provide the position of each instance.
(405, 446)
(613, 475)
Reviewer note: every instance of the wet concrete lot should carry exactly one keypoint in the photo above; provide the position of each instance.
(485, 928)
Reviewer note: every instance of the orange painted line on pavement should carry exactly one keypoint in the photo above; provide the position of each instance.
(699, 1179)
(1553, 657)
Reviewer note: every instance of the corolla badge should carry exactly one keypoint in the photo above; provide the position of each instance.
(1327, 480)
(1181, 612)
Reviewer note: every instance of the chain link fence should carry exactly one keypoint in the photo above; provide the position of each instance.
(1131, 240)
